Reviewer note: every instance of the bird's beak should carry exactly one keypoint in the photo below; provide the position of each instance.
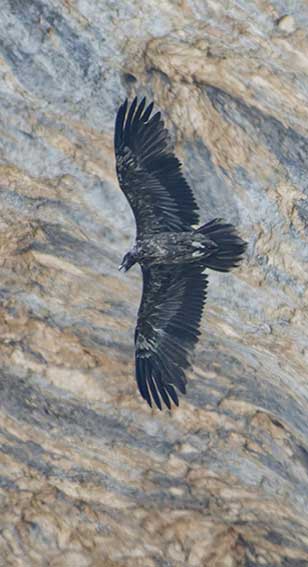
(121, 268)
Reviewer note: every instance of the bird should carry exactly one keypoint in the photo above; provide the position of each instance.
(173, 252)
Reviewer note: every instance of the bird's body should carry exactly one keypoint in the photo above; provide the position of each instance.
(173, 248)
(172, 253)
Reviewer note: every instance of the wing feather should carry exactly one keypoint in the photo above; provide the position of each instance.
(149, 173)
(167, 330)
(141, 381)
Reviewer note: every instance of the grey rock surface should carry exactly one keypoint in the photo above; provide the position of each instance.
(89, 475)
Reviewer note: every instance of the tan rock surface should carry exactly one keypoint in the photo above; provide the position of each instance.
(89, 475)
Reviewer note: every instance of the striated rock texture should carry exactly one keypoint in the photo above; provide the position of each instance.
(89, 475)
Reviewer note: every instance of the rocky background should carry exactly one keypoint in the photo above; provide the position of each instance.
(89, 474)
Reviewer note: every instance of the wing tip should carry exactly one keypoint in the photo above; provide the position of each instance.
(151, 387)
(129, 116)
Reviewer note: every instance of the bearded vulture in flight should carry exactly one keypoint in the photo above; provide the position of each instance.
(172, 253)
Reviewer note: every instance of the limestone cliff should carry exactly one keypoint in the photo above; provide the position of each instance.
(89, 475)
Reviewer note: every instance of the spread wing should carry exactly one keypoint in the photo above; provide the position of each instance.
(167, 329)
(149, 174)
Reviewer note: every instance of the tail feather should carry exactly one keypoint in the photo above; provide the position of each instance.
(230, 245)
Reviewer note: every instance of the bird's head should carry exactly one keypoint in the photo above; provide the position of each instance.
(128, 261)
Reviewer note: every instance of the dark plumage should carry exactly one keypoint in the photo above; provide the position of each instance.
(172, 254)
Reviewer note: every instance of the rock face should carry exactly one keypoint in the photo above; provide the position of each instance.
(89, 475)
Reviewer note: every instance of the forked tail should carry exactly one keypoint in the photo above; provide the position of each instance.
(230, 245)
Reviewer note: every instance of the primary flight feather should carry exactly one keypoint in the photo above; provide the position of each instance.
(172, 254)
